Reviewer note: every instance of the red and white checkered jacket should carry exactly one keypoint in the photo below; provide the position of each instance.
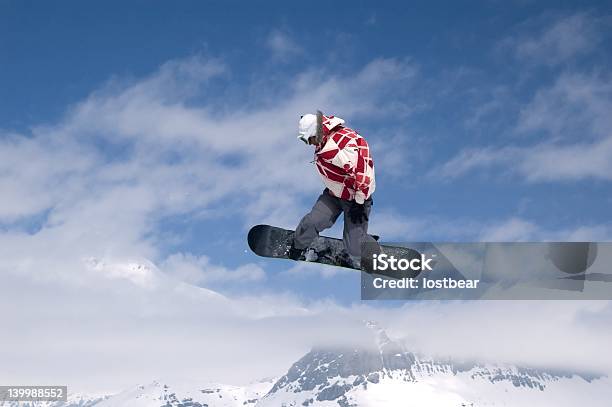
(344, 162)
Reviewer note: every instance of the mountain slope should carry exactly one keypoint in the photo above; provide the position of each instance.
(157, 394)
(389, 375)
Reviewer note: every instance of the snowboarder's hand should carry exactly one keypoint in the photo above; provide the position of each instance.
(358, 213)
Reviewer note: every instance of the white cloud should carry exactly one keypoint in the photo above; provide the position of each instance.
(597, 233)
(516, 229)
(392, 225)
(511, 230)
(564, 127)
(303, 269)
(282, 45)
(573, 162)
(573, 116)
(562, 334)
(199, 270)
(117, 332)
(470, 159)
(576, 106)
(563, 39)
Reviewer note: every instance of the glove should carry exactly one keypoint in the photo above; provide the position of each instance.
(358, 213)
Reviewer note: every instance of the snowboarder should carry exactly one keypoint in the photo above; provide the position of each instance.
(343, 160)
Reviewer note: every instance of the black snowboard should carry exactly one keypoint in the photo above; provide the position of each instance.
(271, 241)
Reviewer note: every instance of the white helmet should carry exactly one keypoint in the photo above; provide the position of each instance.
(312, 125)
(308, 127)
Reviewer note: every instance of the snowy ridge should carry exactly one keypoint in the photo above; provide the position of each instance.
(207, 395)
(74, 400)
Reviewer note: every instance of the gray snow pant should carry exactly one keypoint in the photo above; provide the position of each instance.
(323, 215)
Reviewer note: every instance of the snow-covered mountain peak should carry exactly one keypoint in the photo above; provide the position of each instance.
(388, 375)
(380, 336)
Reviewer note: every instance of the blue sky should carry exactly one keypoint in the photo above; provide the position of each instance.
(155, 133)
